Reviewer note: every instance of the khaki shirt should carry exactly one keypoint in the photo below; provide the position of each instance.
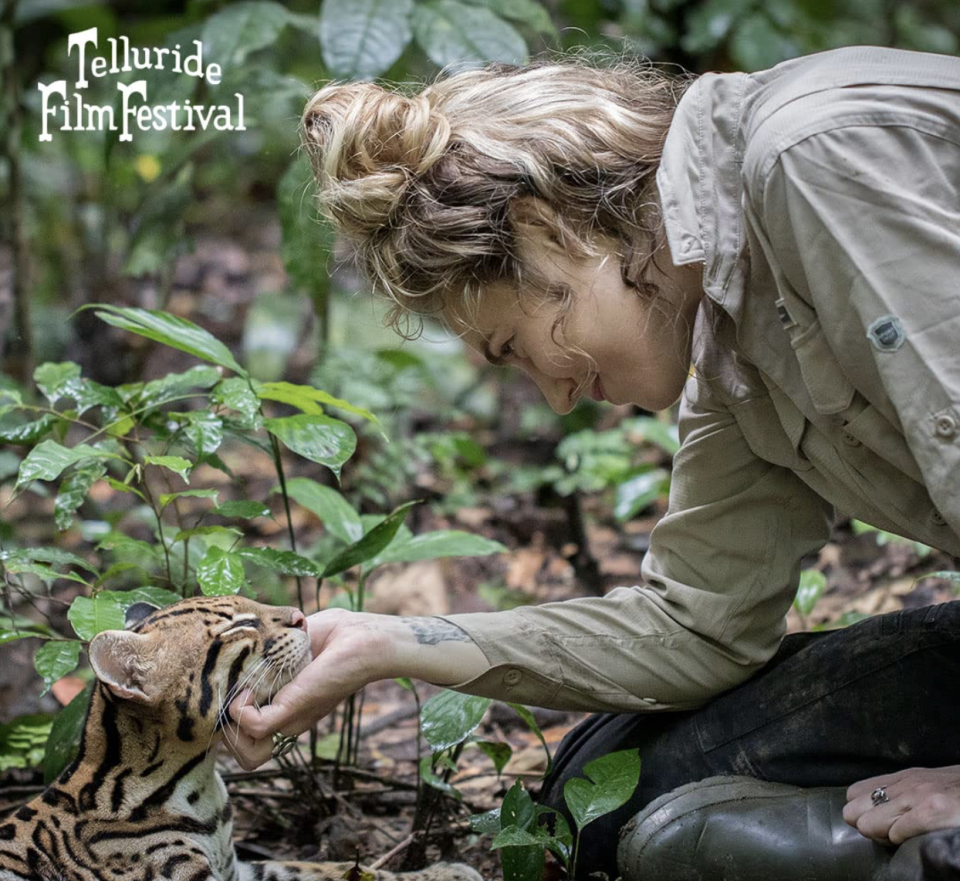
(823, 198)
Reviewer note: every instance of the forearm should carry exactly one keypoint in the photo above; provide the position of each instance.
(429, 649)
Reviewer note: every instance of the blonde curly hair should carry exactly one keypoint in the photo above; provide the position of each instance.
(422, 184)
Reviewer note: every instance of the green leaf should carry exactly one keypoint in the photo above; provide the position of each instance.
(498, 753)
(55, 659)
(528, 12)
(173, 386)
(243, 509)
(525, 714)
(236, 394)
(756, 44)
(22, 741)
(56, 556)
(334, 511)
(812, 585)
(449, 718)
(46, 573)
(220, 573)
(92, 394)
(28, 432)
(428, 776)
(307, 398)
(612, 780)
(57, 380)
(360, 39)
(320, 439)
(48, 460)
(92, 616)
(487, 823)
(205, 431)
(709, 23)
(156, 596)
(184, 534)
(178, 333)
(514, 836)
(308, 238)
(167, 498)
(441, 543)
(230, 35)
(285, 562)
(174, 463)
(73, 490)
(64, 739)
(520, 862)
(455, 33)
(370, 545)
(639, 491)
(120, 486)
(650, 430)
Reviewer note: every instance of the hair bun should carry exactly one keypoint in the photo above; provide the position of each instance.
(366, 145)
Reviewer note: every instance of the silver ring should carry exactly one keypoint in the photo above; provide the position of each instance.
(879, 796)
(282, 744)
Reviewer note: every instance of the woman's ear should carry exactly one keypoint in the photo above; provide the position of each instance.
(122, 662)
(535, 223)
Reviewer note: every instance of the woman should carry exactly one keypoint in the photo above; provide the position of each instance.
(795, 235)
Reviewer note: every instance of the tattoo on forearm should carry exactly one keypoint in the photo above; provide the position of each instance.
(430, 631)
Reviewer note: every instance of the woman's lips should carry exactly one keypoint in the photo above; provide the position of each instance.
(597, 391)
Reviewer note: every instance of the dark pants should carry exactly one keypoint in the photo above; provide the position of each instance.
(830, 708)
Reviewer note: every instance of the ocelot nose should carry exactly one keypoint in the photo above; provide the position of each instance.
(298, 620)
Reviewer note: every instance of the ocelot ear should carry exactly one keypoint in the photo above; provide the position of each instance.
(137, 612)
(122, 661)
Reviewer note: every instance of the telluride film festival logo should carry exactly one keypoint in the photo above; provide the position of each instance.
(74, 114)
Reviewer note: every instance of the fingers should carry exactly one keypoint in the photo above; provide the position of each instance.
(249, 753)
(865, 787)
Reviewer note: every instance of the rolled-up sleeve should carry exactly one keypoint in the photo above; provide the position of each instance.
(719, 577)
(865, 220)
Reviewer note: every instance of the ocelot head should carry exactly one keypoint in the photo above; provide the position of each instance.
(181, 666)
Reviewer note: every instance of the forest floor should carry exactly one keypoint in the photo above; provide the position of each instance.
(369, 809)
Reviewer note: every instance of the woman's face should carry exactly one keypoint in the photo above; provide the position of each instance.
(640, 350)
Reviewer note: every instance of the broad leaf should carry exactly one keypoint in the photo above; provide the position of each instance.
(231, 34)
(73, 490)
(236, 394)
(55, 659)
(48, 460)
(173, 463)
(167, 498)
(178, 333)
(612, 780)
(220, 573)
(57, 380)
(307, 398)
(499, 753)
(455, 33)
(449, 718)
(286, 562)
(441, 543)
(65, 735)
(229, 531)
(320, 439)
(92, 616)
(812, 585)
(360, 39)
(639, 491)
(525, 714)
(246, 510)
(528, 12)
(28, 432)
(370, 545)
(334, 511)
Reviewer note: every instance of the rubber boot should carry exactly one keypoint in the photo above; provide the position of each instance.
(743, 829)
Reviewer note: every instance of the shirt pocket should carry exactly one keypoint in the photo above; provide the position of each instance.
(830, 391)
(768, 436)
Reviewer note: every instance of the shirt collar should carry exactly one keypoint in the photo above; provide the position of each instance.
(700, 187)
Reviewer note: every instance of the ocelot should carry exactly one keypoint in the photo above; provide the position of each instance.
(143, 801)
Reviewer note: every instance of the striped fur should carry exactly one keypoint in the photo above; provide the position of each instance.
(142, 801)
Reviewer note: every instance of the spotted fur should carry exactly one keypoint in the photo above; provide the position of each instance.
(142, 801)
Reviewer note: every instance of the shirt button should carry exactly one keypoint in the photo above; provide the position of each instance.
(512, 677)
(849, 439)
(938, 518)
(946, 425)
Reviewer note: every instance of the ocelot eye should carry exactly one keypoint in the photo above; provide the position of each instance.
(237, 626)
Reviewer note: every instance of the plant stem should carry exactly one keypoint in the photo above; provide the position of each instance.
(22, 349)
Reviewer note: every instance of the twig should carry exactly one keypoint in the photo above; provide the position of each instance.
(394, 851)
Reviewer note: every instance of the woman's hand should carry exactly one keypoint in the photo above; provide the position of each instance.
(347, 652)
(351, 649)
(920, 800)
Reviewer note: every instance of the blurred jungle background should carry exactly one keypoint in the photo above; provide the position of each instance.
(276, 450)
